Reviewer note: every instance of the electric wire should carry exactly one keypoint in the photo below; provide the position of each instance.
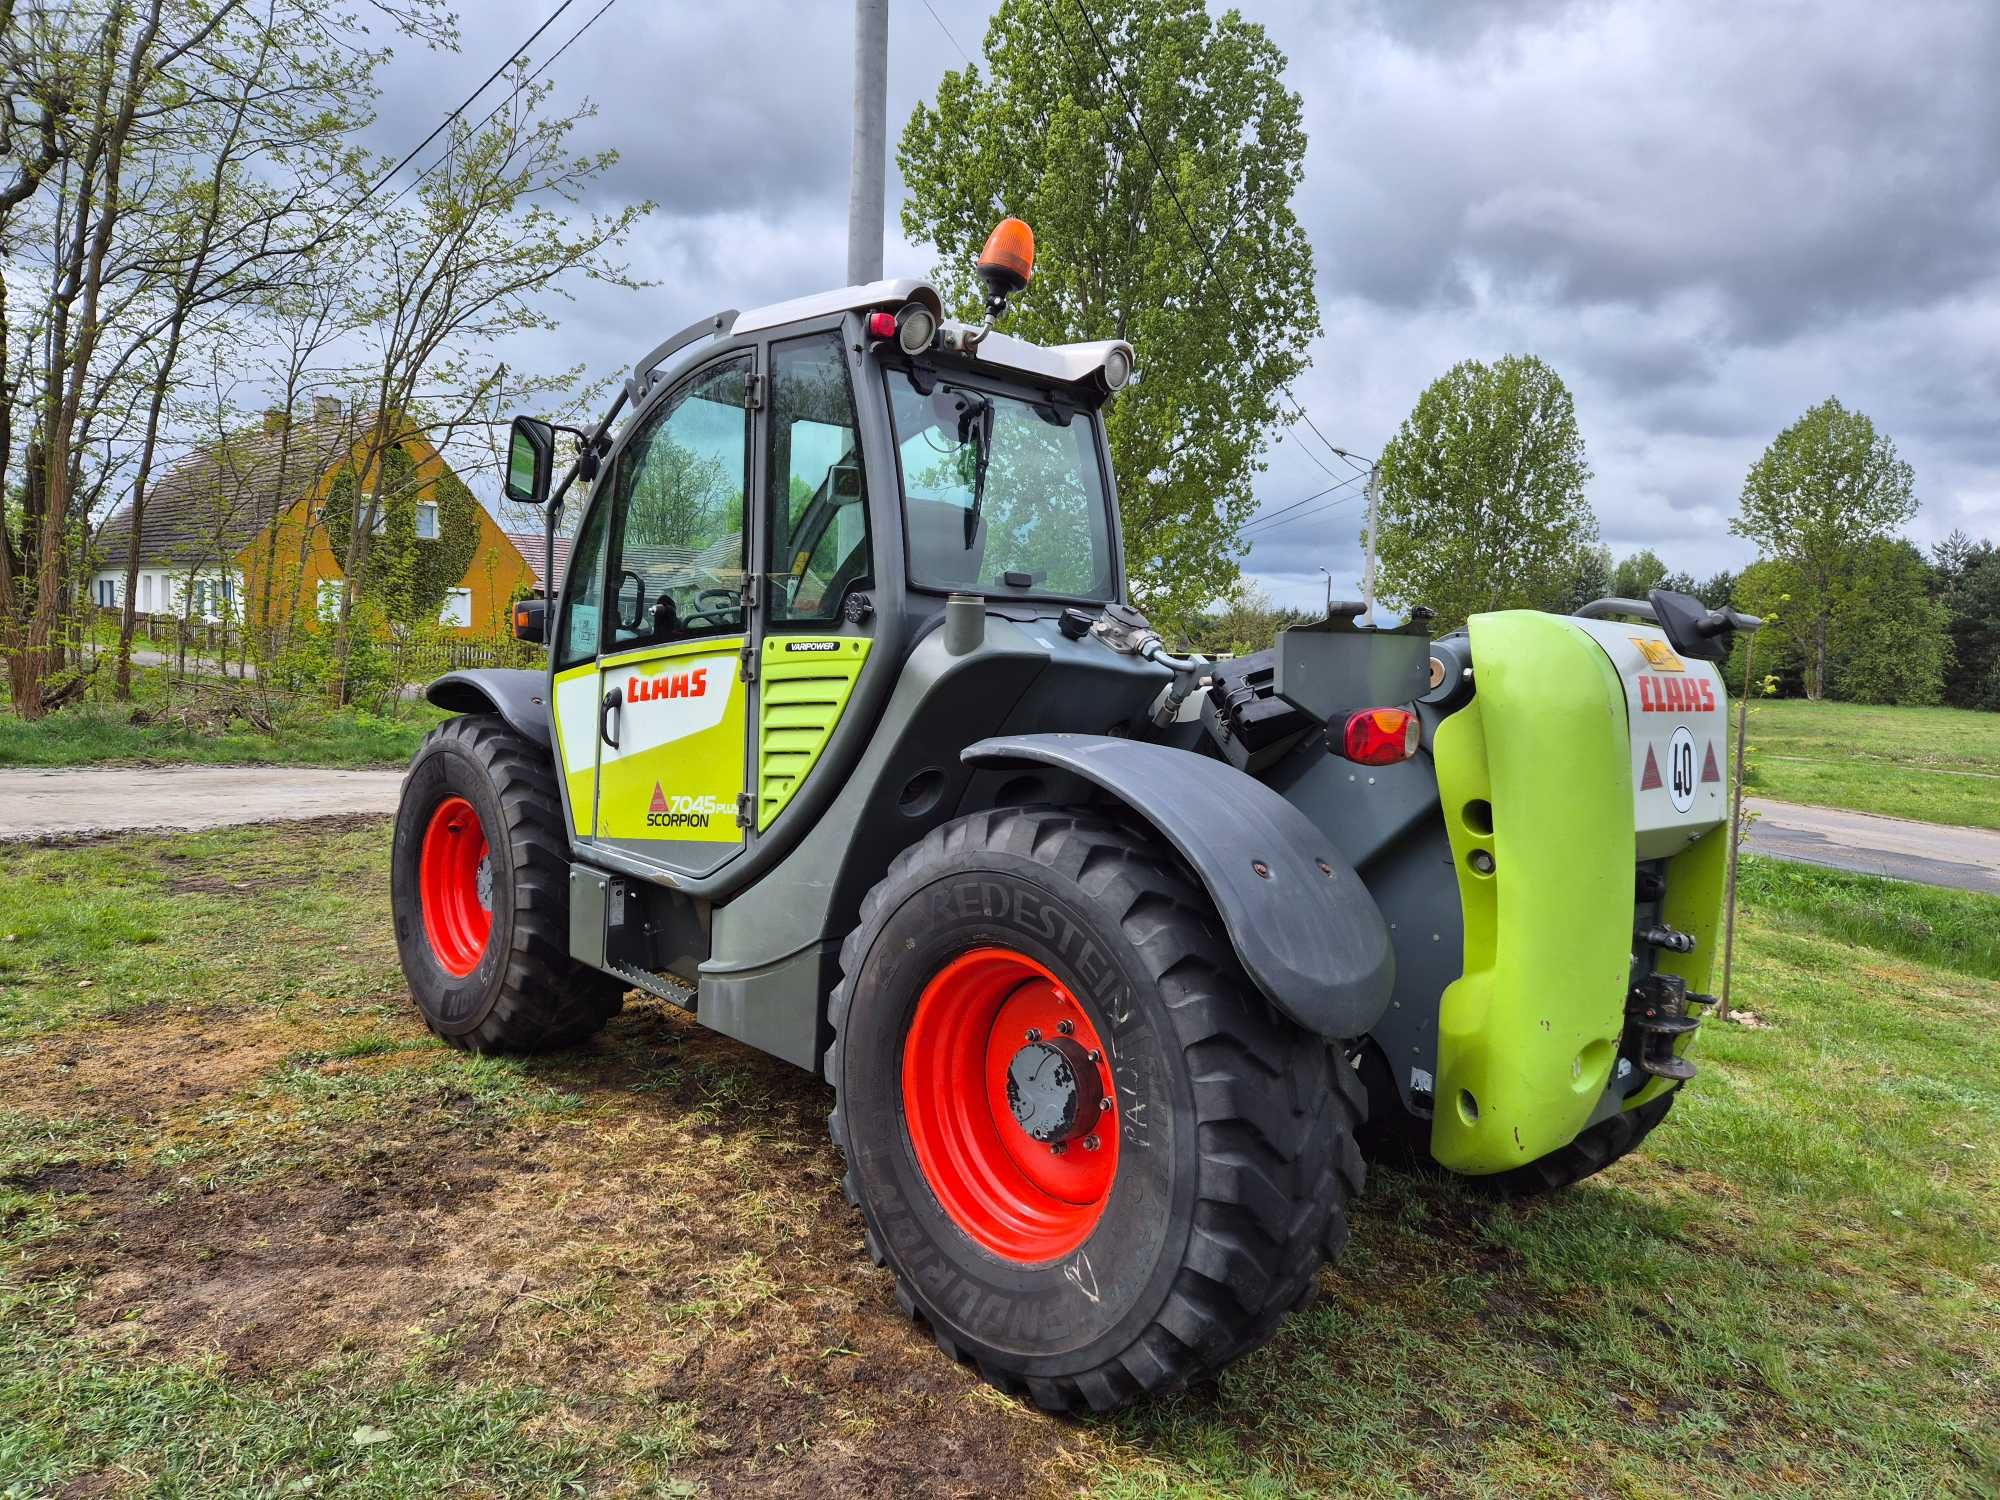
(512, 94)
(947, 32)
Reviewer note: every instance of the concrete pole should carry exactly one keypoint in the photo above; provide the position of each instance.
(865, 191)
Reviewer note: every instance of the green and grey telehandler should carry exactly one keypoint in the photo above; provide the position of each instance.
(851, 741)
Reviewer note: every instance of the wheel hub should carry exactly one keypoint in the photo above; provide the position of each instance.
(1008, 1100)
(1055, 1091)
(455, 887)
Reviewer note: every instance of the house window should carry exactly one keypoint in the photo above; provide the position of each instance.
(427, 521)
(381, 522)
(457, 608)
(146, 591)
(329, 597)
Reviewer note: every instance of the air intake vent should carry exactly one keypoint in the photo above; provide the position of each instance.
(806, 684)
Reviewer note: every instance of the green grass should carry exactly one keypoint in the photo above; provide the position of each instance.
(1958, 930)
(202, 723)
(1938, 765)
(259, 1234)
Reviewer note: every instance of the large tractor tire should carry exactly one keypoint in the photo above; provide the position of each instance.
(1097, 1162)
(479, 883)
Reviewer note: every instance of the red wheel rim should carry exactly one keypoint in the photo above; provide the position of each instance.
(455, 886)
(1014, 1194)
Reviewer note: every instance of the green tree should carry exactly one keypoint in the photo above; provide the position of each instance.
(1246, 621)
(1482, 503)
(1638, 575)
(1220, 315)
(1968, 578)
(1717, 591)
(1892, 640)
(1826, 487)
(1589, 579)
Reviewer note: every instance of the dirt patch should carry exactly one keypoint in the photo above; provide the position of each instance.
(142, 1068)
(679, 1236)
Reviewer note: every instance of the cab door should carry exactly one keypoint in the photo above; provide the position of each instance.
(671, 694)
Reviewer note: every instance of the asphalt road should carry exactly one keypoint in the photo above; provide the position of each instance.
(1930, 853)
(70, 803)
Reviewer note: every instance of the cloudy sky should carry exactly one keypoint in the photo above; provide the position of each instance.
(1706, 216)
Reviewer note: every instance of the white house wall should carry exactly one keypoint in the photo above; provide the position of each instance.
(163, 591)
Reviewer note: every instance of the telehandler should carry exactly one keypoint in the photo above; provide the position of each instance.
(851, 741)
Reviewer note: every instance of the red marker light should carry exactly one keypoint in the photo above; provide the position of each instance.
(881, 325)
(1381, 736)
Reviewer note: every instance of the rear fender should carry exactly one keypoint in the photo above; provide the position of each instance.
(519, 695)
(1305, 929)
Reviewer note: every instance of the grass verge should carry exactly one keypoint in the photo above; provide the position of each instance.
(204, 723)
(1937, 765)
(260, 1234)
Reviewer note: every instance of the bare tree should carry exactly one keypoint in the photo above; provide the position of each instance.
(465, 265)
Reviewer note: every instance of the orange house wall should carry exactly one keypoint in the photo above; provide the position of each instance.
(495, 576)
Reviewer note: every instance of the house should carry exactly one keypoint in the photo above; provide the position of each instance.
(530, 545)
(254, 528)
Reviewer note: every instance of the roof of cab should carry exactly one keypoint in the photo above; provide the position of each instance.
(1058, 362)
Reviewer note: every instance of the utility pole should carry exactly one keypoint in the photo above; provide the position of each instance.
(865, 190)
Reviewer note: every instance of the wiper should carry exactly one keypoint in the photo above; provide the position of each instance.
(975, 426)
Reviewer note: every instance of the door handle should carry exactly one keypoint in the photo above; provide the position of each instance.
(613, 699)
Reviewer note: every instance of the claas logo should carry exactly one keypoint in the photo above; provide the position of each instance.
(668, 685)
(1676, 695)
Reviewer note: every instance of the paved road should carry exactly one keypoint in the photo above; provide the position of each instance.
(66, 803)
(1967, 858)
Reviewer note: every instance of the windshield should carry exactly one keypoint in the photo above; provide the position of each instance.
(999, 493)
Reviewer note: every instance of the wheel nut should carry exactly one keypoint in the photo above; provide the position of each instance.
(1058, 1148)
(1094, 1055)
(1034, 1034)
(1104, 1104)
(1091, 1143)
(1065, 1027)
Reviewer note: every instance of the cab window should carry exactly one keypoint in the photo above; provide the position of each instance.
(583, 593)
(677, 541)
(819, 498)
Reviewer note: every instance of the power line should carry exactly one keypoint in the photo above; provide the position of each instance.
(464, 105)
(1207, 253)
(1272, 515)
(512, 95)
(947, 32)
(1317, 510)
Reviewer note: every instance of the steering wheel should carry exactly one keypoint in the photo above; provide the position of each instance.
(729, 597)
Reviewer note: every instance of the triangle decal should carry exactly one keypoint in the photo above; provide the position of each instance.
(659, 799)
(1651, 779)
(1709, 770)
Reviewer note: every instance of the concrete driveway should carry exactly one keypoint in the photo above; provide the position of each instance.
(69, 803)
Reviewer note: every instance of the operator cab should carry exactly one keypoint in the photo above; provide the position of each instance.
(792, 498)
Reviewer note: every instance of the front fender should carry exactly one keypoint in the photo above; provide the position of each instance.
(518, 694)
(1306, 929)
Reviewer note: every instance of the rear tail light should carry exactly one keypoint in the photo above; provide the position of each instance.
(1380, 736)
(881, 325)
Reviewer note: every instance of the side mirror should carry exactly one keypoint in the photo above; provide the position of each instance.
(531, 620)
(531, 452)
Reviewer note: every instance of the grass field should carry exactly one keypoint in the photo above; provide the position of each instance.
(260, 1234)
(1939, 765)
(203, 724)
